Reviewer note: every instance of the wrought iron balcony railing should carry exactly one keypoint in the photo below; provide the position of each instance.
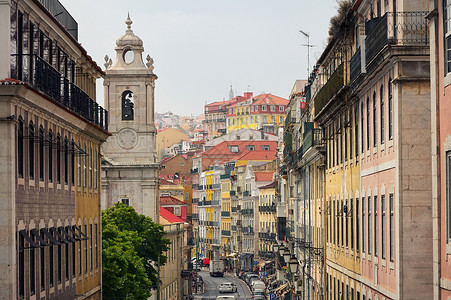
(335, 82)
(400, 28)
(267, 208)
(247, 211)
(312, 138)
(225, 213)
(356, 65)
(226, 233)
(42, 76)
(249, 230)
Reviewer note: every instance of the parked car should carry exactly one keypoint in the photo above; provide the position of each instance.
(249, 278)
(258, 285)
(226, 298)
(227, 287)
(259, 295)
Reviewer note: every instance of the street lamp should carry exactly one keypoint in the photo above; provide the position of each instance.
(293, 263)
(275, 247)
(286, 255)
(281, 249)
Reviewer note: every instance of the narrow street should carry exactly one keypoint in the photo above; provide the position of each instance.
(211, 287)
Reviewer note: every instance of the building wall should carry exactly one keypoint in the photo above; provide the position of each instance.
(168, 137)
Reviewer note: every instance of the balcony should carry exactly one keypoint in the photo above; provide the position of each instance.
(246, 193)
(39, 74)
(216, 186)
(248, 230)
(267, 236)
(312, 137)
(247, 211)
(335, 82)
(195, 216)
(232, 193)
(226, 233)
(400, 28)
(225, 213)
(221, 120)
(356, 65)
(267, 208)
(234, 209)
(234, 228)
(195, 200)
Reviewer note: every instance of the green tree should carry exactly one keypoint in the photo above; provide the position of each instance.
(144, 242)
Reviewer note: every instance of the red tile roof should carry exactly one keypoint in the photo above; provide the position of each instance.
(257, 155)
(166, 182)
(272, 99)
(170, 217)
(269, 186)
(264, 176)
(223, 149)
(169, 200)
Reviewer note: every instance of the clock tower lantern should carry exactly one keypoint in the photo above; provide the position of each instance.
(130, 172)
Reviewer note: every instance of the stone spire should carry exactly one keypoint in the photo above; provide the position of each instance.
(231, 93)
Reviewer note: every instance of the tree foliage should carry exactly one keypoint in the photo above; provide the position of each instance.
(131, 245)
(338, 22)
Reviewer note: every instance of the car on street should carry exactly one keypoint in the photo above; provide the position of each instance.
(227, 287)
(226, 298)
(259, 295)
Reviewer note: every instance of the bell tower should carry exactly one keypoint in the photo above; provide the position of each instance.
(130, 169)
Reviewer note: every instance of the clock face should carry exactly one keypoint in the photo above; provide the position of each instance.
(127, 138)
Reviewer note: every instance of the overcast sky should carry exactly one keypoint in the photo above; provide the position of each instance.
(201, 47)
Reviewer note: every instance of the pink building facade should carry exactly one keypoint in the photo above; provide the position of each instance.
(439, 28)
(395, 162)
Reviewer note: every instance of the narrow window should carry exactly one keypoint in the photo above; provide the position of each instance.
(362, 141)
(96, 246)
(79, 165)
(343, 217)
(42, 265)
(85, 167)
(86, 249)
(376, 225)
(95, 168)
(363, 224)
(20, 138)
(66, 160)
(383, 243)
(90, 167)
(351, 145)
(334, 220)
(356, 129)
(352, 223)
(447, 33)
(91, 261)
(368, 123)
(58, 158)
(50, 161)
(382, 115)
(345, 128)
(357, 225)
(67, 257)
(60, 262)
(31, 150)
(51, 264)
(32, 269)
(374, 120)
(369, 225)
(41, 153)
(390, 110)
(21, 267)
(346, 209)
(72, 162)
(80, 261)
(392, 228)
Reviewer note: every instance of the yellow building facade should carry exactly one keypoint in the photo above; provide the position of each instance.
(226, 220)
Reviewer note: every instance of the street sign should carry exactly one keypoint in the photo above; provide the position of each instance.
(272, 296)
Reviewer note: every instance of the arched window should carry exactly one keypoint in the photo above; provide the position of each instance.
(128, 104)
(41, 153)
(31, 150)
(58, 158)
(50, 156)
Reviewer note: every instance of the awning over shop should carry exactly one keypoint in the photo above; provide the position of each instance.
(232, 255)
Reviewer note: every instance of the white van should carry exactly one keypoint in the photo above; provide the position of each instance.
(258, 285)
